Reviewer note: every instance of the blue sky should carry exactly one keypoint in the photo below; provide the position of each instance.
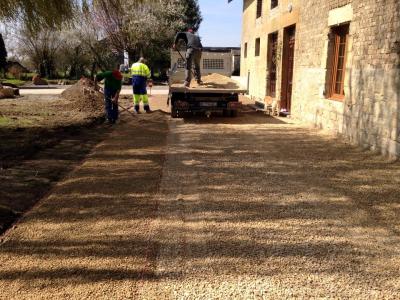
(222, 23)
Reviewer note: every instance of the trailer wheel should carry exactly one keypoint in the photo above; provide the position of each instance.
(234, 113)
(174, 113)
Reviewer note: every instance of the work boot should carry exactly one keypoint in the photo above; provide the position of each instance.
(147, 109)
(137, 108)
(199, 82)
(187, 84)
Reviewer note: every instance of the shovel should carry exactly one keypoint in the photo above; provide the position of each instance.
(120, 106)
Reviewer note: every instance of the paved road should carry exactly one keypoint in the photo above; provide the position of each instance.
(246, 208)
(57, 90)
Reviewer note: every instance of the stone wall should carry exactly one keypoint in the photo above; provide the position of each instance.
(370, 113)
(337, 3)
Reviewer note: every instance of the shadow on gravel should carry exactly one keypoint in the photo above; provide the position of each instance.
(33, 159)
(85, 275)
(259, 200)
(247, 117)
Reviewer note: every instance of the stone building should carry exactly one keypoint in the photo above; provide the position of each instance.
(15, 69)
(332, 63)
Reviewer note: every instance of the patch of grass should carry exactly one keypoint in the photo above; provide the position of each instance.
(16, 82)
(6, 122)
(28, 76)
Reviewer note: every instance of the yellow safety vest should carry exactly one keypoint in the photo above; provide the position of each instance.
(140, 69)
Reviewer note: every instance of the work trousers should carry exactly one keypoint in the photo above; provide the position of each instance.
(111, 108)
(140, 92)
(193, 56)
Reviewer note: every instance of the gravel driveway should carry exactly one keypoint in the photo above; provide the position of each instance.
(246, 208)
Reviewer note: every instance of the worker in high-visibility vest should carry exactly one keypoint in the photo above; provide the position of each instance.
(140, 76)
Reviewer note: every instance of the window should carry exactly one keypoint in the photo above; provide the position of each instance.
(338, 39)
(259, 8)
(245, 50)
(181, 63)
(272, 63)
(213, 63)
(274, 3)
(258, 44)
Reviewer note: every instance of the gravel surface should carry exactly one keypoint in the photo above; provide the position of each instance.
(248, 208)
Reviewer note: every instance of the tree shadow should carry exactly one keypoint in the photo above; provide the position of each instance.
(271, 200)
(243, 118)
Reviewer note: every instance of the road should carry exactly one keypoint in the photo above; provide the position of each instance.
(57, 90)
(248, 208)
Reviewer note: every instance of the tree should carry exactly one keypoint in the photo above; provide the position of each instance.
(3, 55)
(144, 27)
(192, 15)
(41, 47)
(38, 13)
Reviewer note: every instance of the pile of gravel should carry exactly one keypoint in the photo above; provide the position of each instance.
(84, 97)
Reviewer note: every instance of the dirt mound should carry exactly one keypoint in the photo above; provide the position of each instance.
(37, 80)
(6, 93)
(212, 81)
(216, 81)
(84, 97)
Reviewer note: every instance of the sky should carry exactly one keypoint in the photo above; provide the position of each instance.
(222, 23)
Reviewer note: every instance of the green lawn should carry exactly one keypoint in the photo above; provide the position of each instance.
(16, 82)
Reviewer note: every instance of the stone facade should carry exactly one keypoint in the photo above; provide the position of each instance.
(369, 114)
(271, 20)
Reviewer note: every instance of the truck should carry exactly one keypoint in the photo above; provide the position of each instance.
(218, 93)
(207, 98)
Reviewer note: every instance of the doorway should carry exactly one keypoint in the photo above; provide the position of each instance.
(289, 37)
(271, 64)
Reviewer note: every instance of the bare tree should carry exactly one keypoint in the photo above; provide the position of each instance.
(41, 49)
(140, 27)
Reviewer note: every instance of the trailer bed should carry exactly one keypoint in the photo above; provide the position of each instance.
(212, 83)
(180, 88)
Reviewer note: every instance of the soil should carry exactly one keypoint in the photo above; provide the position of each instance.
(213, 81)
(42, 138)
(6, 93)
(216, 81)
(252, 207)
(83, 97)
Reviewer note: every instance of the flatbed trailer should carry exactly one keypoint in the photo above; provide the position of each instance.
(207, 98)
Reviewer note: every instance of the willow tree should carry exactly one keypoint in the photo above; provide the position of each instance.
(38, 13)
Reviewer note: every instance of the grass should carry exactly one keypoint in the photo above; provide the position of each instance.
(16, 82)
(6, 122)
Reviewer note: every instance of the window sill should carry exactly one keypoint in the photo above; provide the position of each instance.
(337, 98)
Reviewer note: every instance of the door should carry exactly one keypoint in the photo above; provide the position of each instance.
(272, 55)
(289, 37)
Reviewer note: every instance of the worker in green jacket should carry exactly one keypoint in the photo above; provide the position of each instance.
(112, 89)
(140, 76)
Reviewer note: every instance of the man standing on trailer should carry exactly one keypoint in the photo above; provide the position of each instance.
(140, 75)
(193, 54)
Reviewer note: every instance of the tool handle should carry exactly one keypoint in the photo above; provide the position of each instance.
(184, 59)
